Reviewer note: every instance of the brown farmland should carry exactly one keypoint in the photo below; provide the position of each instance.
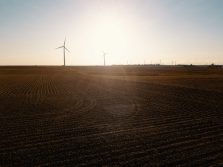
(111, 116)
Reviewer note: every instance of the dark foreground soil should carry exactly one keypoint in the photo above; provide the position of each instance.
(113, 116)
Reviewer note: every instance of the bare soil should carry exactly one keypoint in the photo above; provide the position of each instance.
(111, 116)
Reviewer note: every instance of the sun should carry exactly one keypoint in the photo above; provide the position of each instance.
(108, 33)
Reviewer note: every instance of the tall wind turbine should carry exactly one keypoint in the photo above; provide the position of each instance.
(64, 51)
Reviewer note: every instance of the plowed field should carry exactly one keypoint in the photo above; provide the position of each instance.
(111, 116)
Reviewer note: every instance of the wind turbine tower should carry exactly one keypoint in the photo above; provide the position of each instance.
(104, 55)
(64, 51)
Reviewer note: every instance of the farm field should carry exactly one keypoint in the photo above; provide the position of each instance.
(111, 116)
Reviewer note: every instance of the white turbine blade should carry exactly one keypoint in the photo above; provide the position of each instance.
(104, 54)
(60, 47)
(67, 49)
(64, 42)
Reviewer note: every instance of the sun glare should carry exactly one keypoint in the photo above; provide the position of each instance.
(109, 33)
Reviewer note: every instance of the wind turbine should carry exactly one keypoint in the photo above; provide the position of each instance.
(64, 51)
(104, 55)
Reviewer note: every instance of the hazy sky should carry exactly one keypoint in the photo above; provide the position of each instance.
(186, 31)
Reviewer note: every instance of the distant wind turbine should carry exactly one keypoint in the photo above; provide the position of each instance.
(64, 51)
(104, 55)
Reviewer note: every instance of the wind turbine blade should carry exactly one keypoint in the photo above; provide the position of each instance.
(60, 47)
(67, 49)
(104, 54)
(64, 41)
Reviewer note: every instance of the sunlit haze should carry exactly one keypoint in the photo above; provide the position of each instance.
(129, 31)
